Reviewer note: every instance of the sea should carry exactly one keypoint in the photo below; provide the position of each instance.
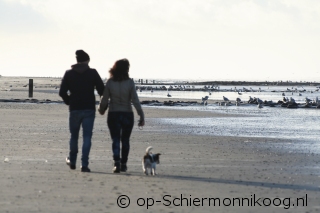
(301, 126)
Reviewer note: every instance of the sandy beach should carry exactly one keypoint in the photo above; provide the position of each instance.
(195, 173)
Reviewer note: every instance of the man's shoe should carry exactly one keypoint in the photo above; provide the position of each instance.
(72, 166)
(116, 168)
(85, 169)
(123, 167)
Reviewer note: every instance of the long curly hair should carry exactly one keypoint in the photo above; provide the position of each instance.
(120, 70)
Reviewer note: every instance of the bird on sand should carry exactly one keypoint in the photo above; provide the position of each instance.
(225, 98)
(205, 98)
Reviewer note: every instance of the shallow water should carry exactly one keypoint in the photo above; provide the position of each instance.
(301, 126)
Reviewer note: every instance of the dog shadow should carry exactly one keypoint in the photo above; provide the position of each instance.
(241, 182)
(215, 180)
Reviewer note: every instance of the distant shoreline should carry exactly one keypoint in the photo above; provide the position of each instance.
(190, 82)
(244, 83)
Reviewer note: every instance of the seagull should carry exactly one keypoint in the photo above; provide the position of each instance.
(169, 95)
(284, 99)
(245, 89)
(307, 99)
(292, 100)
(270, 103)
(259, 101)
(283, 94)
(225, 98)
(260, 105)
(238, 102)
(205, 98)
(239, 93)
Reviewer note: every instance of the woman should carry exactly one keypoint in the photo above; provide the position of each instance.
(121, 91)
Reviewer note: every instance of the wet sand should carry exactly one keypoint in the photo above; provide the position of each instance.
(35, 178)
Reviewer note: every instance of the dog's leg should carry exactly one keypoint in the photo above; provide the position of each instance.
(154, 170)
(144, 168)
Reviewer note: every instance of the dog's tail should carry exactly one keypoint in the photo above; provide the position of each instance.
(148, 150)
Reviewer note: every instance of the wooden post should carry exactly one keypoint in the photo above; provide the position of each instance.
(30, 88)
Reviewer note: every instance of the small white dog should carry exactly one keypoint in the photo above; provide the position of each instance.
(149, 161)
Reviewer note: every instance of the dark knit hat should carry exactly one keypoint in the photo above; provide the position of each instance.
(82, 56)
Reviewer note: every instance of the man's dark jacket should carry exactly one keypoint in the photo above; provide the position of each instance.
(81, 81)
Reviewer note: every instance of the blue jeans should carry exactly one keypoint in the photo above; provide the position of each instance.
(120, 125)
(76, 119)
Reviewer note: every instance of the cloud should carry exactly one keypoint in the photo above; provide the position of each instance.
(163, 38)
(308, 12)
(264, 15)
(19, 18)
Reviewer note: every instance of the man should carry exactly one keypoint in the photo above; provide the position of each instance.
(77, 91)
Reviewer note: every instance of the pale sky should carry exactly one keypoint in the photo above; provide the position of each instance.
(265, 40)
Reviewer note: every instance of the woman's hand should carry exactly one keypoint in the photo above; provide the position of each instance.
(100, 111)
(141, 123)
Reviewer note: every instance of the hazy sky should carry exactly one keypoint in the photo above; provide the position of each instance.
(178, 39)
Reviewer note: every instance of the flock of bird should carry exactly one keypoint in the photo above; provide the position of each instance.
(285, 102)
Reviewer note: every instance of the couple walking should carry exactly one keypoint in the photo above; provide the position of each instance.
(77, 91)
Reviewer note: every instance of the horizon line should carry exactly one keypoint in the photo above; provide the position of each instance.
(185, 80)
